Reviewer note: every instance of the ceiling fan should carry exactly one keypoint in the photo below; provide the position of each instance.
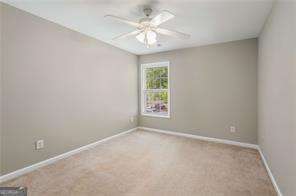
(147, 28)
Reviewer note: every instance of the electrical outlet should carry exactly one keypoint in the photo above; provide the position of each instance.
(132, 119)
(39, 144)
(232, 129)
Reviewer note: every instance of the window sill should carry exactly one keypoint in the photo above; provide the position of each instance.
(155, 115)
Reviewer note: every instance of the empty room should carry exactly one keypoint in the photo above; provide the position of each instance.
(148, 97)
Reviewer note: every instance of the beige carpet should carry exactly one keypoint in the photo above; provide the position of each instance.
(144, 163)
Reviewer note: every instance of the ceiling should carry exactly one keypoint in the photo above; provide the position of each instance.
(207, 21)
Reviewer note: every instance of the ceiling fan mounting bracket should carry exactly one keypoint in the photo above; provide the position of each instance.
(147, 11)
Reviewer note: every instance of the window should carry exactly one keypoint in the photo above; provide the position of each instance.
(155, 90)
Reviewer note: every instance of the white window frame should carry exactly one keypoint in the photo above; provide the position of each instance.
(143, 88)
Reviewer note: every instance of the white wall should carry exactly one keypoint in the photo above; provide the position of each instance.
(277, 94)
(212, 88)
(60, 86)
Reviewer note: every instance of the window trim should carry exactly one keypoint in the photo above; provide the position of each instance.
(149, 65)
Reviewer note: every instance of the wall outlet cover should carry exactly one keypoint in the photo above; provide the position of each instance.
(39, 144)
(232, 129)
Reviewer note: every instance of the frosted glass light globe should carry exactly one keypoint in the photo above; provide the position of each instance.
(150, 36)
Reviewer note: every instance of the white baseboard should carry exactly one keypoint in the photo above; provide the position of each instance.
(275, 185)
(211, 139)
(35, 166)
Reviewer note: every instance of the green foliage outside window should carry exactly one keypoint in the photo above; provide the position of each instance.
(157, 96)
(157, 78)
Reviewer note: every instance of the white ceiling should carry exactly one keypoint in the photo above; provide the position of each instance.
(207, 21)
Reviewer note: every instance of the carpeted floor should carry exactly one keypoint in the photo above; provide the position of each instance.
(144, 163)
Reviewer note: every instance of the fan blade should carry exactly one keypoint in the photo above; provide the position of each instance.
(162, 17)
(135, 24)
(172, 33)
(136, 32)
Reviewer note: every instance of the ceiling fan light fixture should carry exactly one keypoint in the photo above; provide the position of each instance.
(147, 37)
(151, 37)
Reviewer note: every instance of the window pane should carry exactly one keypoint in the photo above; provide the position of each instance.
(164, 83)
(156, 78)
(156, 103)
